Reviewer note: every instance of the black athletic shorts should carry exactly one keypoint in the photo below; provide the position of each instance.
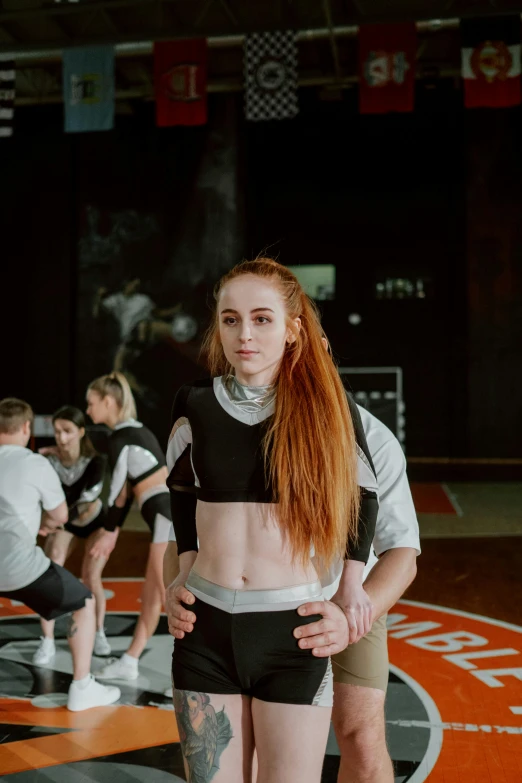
(86, 530)
(236, 651)
(155, 510)
(55, 593)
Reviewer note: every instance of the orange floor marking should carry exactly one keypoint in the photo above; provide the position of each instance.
(430, 498)
(97, 732)
(482, 738)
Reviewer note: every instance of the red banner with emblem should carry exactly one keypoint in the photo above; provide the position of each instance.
(491, 61)
(180, 82)
(387, 56)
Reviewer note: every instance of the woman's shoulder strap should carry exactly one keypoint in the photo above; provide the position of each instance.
(360, 436)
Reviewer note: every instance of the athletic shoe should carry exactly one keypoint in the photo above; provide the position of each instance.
(45, 652)
(168, 693)
(119, 669)
(101, 645)
(93, 694)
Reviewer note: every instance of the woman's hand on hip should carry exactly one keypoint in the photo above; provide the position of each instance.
(180, 620)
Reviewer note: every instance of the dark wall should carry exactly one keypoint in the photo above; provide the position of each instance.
(379, 197)
(435, 193)
(37, 258)
(494, 233)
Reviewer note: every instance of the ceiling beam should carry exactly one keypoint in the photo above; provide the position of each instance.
(109, 21)
(127, 46)
(483, 7)
(229, 12)
(69, 9)
(333, 39)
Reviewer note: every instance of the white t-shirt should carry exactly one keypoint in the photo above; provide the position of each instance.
(397, 524)
(28, 484)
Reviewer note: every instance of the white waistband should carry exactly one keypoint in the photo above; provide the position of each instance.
(240, 601)
(159, 489)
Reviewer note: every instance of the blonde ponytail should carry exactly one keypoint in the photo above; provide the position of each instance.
(117, 385)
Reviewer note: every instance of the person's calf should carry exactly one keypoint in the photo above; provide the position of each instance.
(81, 629)
(360, 729)
(364, 757)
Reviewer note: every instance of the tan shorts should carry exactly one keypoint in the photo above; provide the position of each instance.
(365, 663)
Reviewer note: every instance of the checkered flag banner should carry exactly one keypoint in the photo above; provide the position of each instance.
(271, 76)
(7, 94)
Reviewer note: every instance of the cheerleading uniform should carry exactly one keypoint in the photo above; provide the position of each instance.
(82, 483)
(215, 455)
(134, 455)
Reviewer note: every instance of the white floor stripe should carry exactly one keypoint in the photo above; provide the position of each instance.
(453, 500)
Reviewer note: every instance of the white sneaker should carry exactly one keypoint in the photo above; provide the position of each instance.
(45, 652)
(101, 645)
(119, 669)
(168, 692)
(91, 695)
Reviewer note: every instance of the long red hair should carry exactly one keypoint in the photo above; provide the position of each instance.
(309, 446)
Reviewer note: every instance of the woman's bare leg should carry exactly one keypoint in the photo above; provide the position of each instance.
(92, 568)
(290, 741)
(216, 736)
(80, 635)
(152, 600)
(58, 547)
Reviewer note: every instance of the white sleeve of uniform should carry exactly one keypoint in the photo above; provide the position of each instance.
(119, 475)
(49, 486)
(397, 524)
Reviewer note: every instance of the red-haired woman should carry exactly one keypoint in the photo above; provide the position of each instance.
(263, 473)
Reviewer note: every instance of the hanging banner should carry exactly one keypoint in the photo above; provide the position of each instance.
(88, 89)
(491, 61)
(180, 82)
(387, 55)
(7, 96)
(270, 69)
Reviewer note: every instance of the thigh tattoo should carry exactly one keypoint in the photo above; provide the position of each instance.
(204, 734)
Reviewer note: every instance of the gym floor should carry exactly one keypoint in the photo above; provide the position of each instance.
(454, 704)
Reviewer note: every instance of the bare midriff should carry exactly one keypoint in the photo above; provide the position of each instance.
(155, 480)
(241, 547)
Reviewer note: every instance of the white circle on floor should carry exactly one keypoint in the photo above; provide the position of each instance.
(50, 701)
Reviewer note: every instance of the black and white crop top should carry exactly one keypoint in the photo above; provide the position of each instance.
(81, 482)
(134, 455)
(215, 455)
